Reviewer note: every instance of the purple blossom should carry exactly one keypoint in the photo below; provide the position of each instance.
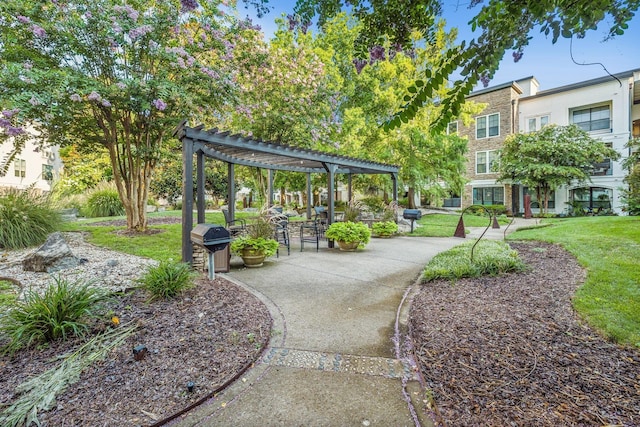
(34, 101)
(106, 103)
(140, 31)
(121, 85)
(88, 15)
(4, 123)
(359, 64)
(14, 131)
(485, 80)
(159, 104)
(517, 55)
(27, 65)
(38, 31)
(153, 45)
(189, 5)
(23, 19)
(377, 53)
(209, 72)
(94, 96)
(10, 113)
(75, 98)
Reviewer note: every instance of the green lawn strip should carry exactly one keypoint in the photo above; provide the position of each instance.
(609, 248)
(444, 225)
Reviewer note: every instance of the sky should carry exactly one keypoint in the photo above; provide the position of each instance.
(549, 63)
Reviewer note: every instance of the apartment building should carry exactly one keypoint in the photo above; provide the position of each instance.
(607, 107)
(34, 167)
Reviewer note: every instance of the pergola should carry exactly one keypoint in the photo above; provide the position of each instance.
(238, 150)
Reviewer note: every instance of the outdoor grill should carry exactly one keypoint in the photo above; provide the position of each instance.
(412, 214)
(213, 238)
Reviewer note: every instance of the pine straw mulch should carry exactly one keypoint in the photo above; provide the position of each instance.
(510, 350)
(208, 335)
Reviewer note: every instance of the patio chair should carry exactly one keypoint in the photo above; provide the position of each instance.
(281, 228)
(313, 231)
(236, 227)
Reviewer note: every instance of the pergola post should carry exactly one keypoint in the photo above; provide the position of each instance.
(309, 196)
(270, 188)
(187, 200)
(394, 178)
(231, 190)
(349, 187)
(200, 199)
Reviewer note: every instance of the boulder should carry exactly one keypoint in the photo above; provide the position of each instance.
(54, 255)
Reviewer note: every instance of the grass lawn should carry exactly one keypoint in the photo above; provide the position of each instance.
(444, 225)
(609, 248)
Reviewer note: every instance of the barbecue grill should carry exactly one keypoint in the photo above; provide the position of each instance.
(213, 238)
(412, 214)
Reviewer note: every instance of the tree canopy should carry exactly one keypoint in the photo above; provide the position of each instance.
(504, 25)
(118, 75)
(551, 157)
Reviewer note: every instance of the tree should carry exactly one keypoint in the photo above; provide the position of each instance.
(551, 157)
(631, 195)
(117, 75)
(505, 25)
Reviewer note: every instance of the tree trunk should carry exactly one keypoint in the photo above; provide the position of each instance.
(411, 197)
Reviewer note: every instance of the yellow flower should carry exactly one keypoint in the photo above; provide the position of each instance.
(115, 320)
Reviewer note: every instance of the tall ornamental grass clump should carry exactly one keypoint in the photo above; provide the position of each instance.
(63, 310)
(490, 257)
(26, 219)
(168, 279)
(103, 200)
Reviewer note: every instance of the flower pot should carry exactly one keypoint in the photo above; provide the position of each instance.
(252, 258)
(348, 246)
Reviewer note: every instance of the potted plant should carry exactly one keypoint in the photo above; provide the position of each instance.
(384, 228)
(257, 244)
(349, 235)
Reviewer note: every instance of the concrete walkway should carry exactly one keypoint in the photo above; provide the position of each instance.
(335, 358)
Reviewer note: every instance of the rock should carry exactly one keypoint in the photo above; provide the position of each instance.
(54, 255)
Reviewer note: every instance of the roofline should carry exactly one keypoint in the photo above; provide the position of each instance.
(512, 83)
(585, 83)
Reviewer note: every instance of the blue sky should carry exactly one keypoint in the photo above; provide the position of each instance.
(550, 63)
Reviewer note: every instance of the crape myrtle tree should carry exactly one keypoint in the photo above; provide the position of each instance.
(504, 25)
(631, 195)
(551, 157)
(115, 74)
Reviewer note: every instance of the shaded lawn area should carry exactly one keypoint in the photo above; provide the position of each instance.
(444, 225)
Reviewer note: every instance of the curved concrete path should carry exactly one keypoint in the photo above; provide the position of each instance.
(332, 359)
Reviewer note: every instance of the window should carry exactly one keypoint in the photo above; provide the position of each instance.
(487, 161)
(488, 196)
(536, 123)
(47, 172)
(487, 126)
(592, 198)
(20, 167)
(602, 168)
(452, 129)
(593, 119)
(535, 204)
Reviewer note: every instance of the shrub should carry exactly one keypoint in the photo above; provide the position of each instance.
(349, 232)
(103, 201)
(63, 310)
(168, 279)
(26, 219)
(374, 204)
(491, 257)
(384, 228)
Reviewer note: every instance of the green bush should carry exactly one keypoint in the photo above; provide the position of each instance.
(490, 257)
(64, 309)
(384, 228)
(103, 201)
(374, 204)
(349, 232)
(26, 219)
(168, 279)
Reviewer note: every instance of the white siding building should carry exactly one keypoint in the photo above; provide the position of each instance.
(609, 109)
(34, 166)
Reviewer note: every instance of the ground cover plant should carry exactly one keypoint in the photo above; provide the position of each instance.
(63, 311)
(609, 248)
(473, 259)
(168, 279)
(26, 219)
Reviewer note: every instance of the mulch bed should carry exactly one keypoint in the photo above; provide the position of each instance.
(510, 350)
(207, 336)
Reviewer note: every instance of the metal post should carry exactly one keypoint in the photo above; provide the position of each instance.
(187, 199)
(200, 186)
(212, 267)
